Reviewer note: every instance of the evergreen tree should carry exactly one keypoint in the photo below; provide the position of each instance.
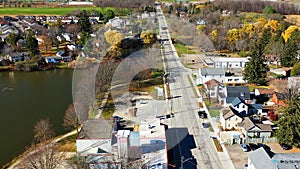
(84, 22)
(109, 14)
(255, 69)
(12, 39)
(289, 129)
(296, 69)
(289, 53)
(32, 44)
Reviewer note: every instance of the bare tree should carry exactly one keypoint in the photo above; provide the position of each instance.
(70, 118)
(78, 162)
(42, 156)
(43, 131)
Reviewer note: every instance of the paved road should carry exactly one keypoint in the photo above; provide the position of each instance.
(185, 135)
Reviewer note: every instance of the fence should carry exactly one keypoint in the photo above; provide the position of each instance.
(261, 140)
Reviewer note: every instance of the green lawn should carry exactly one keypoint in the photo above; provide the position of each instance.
(43, 11)
(182, 49)
(214, 113)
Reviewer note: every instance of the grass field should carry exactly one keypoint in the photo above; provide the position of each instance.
(182, 49)
(44, 11)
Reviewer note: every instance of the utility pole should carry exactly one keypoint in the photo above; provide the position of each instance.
(182, 161)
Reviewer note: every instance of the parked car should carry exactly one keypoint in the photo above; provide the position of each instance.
(245, 147)
(118, 118)
(202, 114)
(286, 147)
(253, 146)
(205, 125)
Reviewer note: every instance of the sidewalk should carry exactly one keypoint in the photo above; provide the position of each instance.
(223, 156)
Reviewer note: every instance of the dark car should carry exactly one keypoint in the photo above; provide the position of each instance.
(253, 146)
(202, 114)
(286, 147)
(205, 125)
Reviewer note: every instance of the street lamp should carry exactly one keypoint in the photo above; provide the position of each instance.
(183, 161)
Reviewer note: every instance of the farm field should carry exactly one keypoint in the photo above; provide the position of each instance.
(43, 11)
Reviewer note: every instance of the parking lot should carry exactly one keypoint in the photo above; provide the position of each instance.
(240, 158)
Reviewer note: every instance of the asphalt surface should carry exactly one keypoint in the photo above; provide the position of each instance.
(189, 144)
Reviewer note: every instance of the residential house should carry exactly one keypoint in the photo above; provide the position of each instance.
(18, 56)
(220, 74)
(279, 99)
(53, 59)
(245, 109)
(206, 74)
(264, 92)
(285, 71)
(226, 62)
(229, 118)
(251, 129)
(212, 88)
(272, 59)
(260, 159)
(96, 136)
(228, 93)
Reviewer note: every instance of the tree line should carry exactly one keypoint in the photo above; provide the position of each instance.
(124, 3)
(283, 8)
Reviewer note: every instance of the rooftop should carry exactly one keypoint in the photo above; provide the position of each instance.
(238, 91)
(286, 160)
(97, 129)
(151, 129)
(229, 59)
(265, 91)
(212, 71)
(261, 160)
(212, 83)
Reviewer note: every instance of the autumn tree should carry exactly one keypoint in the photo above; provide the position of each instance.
(43, 130)
(46, 43)
(148, 37)
(289, 130)
(288, 32)
(113, 37)
(71, 121)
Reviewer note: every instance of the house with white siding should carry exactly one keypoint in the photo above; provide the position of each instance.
(226, 62)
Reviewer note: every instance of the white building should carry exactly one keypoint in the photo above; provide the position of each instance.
(226, 62)
(221, 75)
(96, 136)
(102, 143)
(206, 74)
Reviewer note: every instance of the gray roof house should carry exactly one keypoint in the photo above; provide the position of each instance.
(260, 159)
(244, 109)
(206, 74)
(237, 91)
(251, 129)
